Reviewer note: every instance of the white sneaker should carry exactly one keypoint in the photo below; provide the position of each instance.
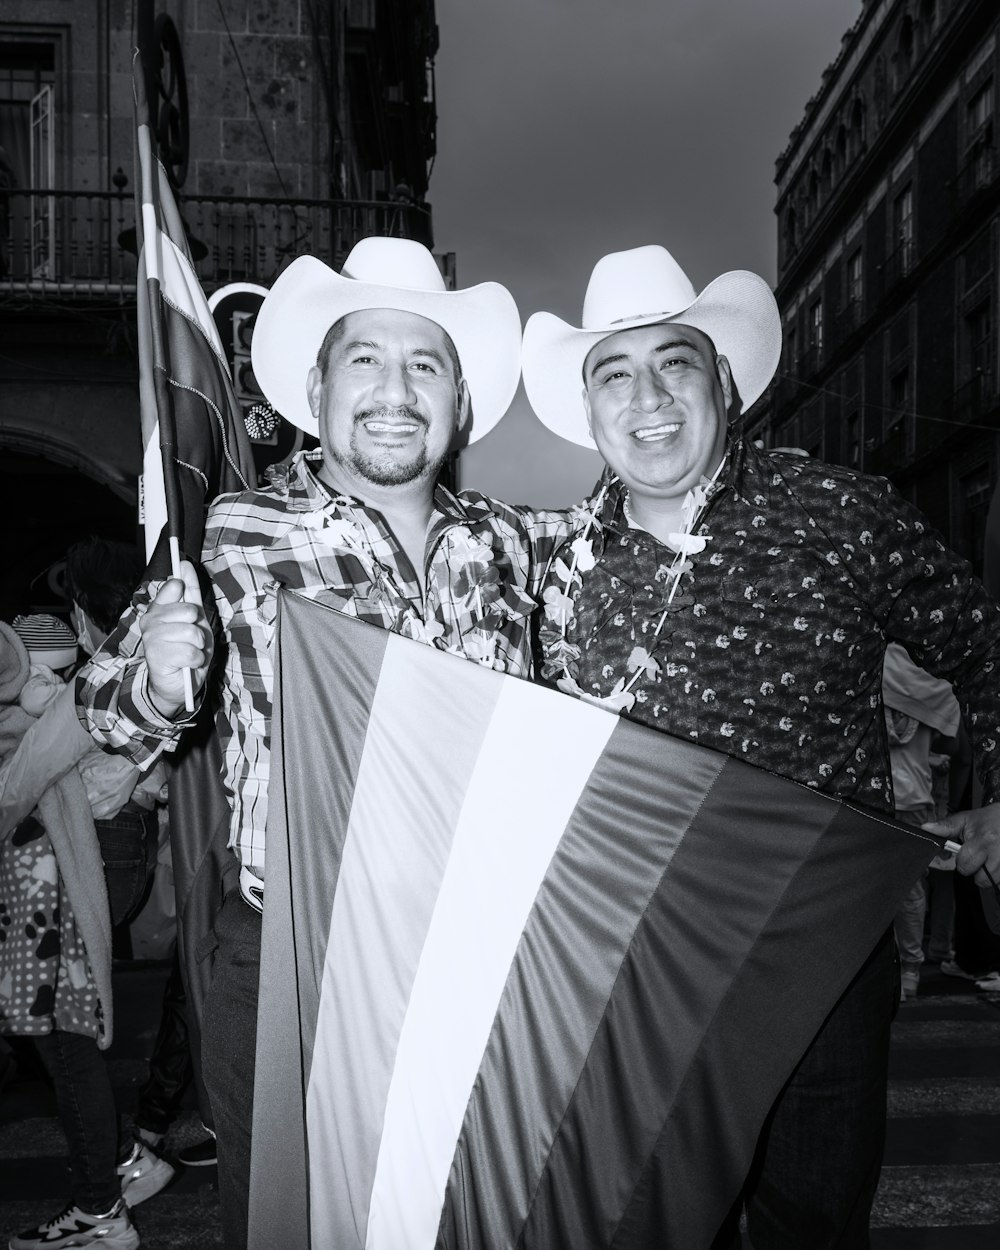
(951, 969)
(143, 1174)
(73, 1227)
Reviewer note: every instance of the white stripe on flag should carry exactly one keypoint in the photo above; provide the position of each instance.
(520, 797)
(385, 895)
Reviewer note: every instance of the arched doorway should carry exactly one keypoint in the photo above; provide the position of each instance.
(46, 504)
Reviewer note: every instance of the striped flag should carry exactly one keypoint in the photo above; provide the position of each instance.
(532, 974)
(185, 387)
(192, 427)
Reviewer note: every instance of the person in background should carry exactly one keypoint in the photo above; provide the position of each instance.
(921, 714)
(110, 1174)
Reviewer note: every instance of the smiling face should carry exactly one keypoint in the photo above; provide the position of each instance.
(657, 399)
(388, 399)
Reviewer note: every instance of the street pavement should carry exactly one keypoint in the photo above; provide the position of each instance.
(940, 1185)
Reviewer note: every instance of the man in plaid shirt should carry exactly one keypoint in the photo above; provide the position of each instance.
(384, 365)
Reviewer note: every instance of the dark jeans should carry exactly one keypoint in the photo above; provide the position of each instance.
(818, 1159)
(229, 1043)
(83, 1090)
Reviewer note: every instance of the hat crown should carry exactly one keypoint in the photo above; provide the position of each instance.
(634, 285)
(400, 263)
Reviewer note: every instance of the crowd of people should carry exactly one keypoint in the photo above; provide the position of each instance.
(710, 589)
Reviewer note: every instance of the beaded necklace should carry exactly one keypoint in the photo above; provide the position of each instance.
(560, 607)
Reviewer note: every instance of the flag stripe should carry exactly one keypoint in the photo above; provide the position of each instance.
(602, 877)
(311, 788)
(499, 858)
(695, 1084)
(381, 913)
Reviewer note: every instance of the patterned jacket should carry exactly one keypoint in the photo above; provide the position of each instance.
(773, 645)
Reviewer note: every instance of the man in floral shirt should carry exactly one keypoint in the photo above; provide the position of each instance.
(745, 600)
(384, 365)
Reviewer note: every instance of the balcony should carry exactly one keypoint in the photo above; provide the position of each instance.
(83, 244)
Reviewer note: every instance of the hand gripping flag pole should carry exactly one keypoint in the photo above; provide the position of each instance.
(153, 344)
(194, 439)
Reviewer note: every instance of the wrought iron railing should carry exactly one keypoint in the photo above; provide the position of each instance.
(85, 242)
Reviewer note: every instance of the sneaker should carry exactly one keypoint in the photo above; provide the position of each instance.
(201, 1155)
(990, 982)
(73, 1227)
(909, 981)
(951, 969)
(148, 1135)
(143, 1174)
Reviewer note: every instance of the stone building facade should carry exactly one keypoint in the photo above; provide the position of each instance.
(286, 127)
(888, 211)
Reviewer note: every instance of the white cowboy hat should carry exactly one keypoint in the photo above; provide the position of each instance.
(308, 297)
(641, 287)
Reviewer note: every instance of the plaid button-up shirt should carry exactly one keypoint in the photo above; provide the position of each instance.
(483, 565)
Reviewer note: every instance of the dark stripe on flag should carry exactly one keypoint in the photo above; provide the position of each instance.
(621, 836)
(770, 905)
(304, 796)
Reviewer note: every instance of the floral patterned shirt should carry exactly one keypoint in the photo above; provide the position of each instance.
(773, 644)
(483, 565)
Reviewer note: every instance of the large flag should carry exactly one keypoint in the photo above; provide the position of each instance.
(187, 401)
(532, 974)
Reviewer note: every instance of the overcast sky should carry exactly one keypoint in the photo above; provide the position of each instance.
(572, 128)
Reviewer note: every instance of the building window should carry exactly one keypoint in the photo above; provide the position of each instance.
(826, 172)
(791, 230)
(855, 277)
(980, 109)
(856, 137)
(27, 74)
(903, 60)
(979, 128)
(928, 15)
(853, 441)
(979, 337)
(791, 349)
(899, 400)
(812, 201)
(816, 327)
(976, 491)
(902, 228)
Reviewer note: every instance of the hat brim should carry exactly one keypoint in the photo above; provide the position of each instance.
(308, 297)
(737, 311)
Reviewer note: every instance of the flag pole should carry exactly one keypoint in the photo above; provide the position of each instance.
(147, 212)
